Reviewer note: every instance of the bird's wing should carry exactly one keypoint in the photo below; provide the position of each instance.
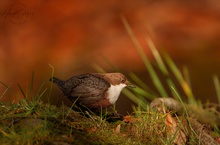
(88, 86)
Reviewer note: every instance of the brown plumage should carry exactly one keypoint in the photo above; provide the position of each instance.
(93, 90)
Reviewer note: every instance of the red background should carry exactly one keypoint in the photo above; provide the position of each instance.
(73, 35)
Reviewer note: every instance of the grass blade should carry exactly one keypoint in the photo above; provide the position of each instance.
(186, 76)
(51, 83)
(7, 88)
(161, 65)
(98, 68)
(186, 88)
(217, 87)
(138, 100)
(147, 63)
(22, 91)
(157, 56)
(32, 85)
(140, 83)
(38, 95)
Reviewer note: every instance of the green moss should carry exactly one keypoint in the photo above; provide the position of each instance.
(39, 123)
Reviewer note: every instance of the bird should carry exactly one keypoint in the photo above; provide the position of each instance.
(93, 91)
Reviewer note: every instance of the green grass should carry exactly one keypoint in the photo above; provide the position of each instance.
(35, 122)
(166, 66)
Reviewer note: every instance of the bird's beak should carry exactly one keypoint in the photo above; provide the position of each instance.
(130, 85)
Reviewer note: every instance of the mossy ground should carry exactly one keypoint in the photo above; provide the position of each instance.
(40, 123)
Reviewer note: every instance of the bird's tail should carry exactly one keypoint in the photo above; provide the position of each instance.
(56, 81)
(61, 84)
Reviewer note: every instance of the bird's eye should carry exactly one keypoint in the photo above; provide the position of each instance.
(123, 80)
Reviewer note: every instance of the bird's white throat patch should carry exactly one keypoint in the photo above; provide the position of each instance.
(114, 92)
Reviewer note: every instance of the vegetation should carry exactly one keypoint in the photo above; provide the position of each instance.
(32, 121)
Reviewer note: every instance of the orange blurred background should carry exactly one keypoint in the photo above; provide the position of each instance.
(73, 35)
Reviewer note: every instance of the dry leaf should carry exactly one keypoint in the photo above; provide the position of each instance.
(70, 137)
(174, 132)
(118, 129)
(127, 119)
(217, 140)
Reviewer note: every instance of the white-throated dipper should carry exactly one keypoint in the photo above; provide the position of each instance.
(93, 90)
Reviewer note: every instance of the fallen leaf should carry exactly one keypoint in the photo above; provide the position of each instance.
(217, 140)
(174, 131)
(127, 119)
(118, 129)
